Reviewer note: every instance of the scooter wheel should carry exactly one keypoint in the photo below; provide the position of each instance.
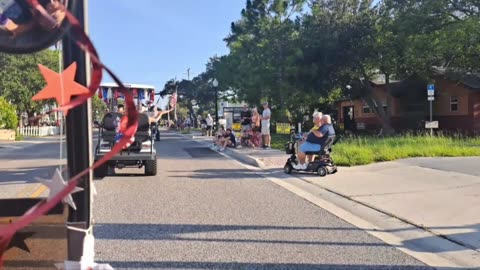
(288, 169)
(322, 171)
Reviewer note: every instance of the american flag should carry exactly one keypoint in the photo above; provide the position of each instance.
(173, 100)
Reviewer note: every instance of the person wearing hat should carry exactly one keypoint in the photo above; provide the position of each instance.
(266, 115)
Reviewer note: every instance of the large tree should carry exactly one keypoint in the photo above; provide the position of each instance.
(20, 78)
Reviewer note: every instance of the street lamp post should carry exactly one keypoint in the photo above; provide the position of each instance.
(215, 85)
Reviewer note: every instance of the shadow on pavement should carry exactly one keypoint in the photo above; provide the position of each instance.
(233, 265)
(237, 265)
(10, 176)
(173, 232)
(223, 174)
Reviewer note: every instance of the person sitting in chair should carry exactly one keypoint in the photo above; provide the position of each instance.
(315, 141)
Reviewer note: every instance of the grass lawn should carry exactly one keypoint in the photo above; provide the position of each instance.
(366, 150)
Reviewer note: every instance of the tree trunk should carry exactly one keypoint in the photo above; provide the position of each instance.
(377, 108)
(192, 116)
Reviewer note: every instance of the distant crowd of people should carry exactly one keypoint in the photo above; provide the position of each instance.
(254, 132)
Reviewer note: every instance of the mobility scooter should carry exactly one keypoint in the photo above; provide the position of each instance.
(322, 164)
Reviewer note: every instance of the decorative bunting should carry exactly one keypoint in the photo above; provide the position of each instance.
(152, 95)
(61, 87)
(56, 185)
(8, 232)
(18, 241)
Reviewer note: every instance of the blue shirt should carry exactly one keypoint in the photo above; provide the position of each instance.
(3, 19)
(326, 130)
(231, 136)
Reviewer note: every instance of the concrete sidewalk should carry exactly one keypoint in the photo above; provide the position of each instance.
(441, 195)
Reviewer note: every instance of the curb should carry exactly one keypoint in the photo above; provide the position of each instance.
(234, 154)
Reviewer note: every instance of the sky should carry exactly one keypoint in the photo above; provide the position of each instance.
(152, 41)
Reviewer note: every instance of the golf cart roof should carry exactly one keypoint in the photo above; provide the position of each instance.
(128, 85)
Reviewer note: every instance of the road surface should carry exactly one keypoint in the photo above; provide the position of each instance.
(205, 211)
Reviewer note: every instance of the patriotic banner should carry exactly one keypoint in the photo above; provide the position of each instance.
(152, 95)
(141, 94)
(173, 100)
(105, 94)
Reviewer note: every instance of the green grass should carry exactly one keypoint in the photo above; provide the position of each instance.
(18, 137)
(352, 151)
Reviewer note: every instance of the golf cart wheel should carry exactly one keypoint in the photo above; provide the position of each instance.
(101, 171)
(288, 169)
(322, 171)
(151, 167)
(334, 171)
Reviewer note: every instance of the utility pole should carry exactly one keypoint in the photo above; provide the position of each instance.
(188, 74)
(78, 129)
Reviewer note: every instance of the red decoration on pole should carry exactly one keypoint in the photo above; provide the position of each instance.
(60, 86)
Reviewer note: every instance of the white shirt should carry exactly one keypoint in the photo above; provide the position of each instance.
(209, 121)
(266, 113)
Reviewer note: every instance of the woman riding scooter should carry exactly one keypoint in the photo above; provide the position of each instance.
(315, 141)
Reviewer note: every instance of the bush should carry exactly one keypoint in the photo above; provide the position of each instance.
(18, 137)
(8, 115)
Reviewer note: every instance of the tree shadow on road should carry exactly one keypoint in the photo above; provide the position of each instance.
(221, 174)
(252, 266)
(12, 176)
(230, 265)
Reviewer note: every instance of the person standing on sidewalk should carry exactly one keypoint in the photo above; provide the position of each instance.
(209, 125)
(246, 116)
(266, 115)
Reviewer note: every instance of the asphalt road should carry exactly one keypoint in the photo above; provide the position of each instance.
(20, 163)
(204, 211)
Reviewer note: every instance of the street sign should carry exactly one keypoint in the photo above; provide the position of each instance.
(431, 124)
(431, 89)
(431, 98)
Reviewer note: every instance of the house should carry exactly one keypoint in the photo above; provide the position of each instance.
(456, 106)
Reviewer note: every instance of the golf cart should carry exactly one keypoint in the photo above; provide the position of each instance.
(140, 153)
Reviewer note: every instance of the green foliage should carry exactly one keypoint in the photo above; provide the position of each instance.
(365, 150)
(302, 59)
(18, 136)
(8, 115)
(98, 107)
(20, 78)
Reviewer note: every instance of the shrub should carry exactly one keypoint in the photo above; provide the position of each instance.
(8, 115)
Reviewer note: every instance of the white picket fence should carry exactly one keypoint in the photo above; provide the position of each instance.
(39, 131)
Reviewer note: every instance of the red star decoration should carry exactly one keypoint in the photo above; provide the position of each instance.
(54, 85)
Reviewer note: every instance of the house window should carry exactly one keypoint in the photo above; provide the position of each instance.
(454, 104)
(366, 109)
